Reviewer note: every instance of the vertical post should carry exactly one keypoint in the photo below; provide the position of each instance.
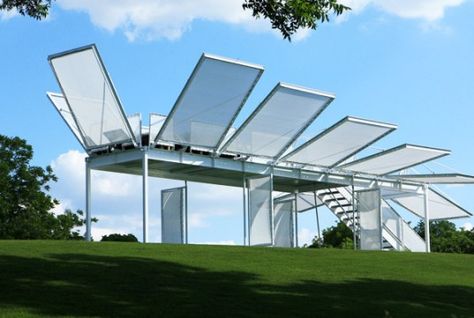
(317, 214)
(427, 218)
(88, 201)
(145, 194)
(244, 198)
(272, 218)
(354, 235)
(185, 211)
(296, 219)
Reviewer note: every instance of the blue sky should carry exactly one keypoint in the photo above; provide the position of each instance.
(404, 62)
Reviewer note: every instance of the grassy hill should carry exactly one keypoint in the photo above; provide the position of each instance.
(51, 278)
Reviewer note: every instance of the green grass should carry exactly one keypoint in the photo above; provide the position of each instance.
(51, 278)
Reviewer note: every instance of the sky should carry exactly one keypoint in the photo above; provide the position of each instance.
(398, 61)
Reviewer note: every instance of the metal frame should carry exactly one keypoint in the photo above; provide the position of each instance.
(404, 146)
(203, 57)
(414, 177)
(330, 97)
(78, 138)
(109, 81)
(391, 128)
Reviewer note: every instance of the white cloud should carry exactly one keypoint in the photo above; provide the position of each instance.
(428, 10)
(467, 226)
(305, 236)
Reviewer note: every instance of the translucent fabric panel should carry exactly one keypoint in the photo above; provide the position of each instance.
(395, 159)
(393, 222)
(439, 206)
(278, 121)
(283, 223)
(305, 200)
(91, 97)
(62, 107)
(260, 211)
(135, 122)
(156, 123)
(172, 215)
(210, 101)
(443, 178)
(412, 240)
(339, 142)
(369, 202)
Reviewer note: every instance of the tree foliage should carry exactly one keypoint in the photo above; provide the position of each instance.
(339, 236)
(445, 238)
(37, 9)
(119, 238)
(25, 205)
(288, 16)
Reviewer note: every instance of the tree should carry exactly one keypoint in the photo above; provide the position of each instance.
(288, 16)
(119, 238)
(445, 238)
(339, 236)
(25, 205)
(37, 9)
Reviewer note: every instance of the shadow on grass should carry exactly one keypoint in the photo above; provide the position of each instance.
(101, 286)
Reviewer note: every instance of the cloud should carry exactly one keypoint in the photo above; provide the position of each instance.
(467, 226)
(7, 15)
(305, 236)
(428, 10)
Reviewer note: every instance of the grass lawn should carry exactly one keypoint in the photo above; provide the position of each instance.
(54, 278)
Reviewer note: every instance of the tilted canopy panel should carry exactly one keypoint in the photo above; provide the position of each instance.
(278, 121)
(62, 107)
(435, 178)
(339, 142)
(395, 159)
(210, 101)
(439, 206)
(91, 97)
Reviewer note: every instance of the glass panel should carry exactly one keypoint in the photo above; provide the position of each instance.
(440, 207)
(284, 224)
(91, 97)
(395, 159)
(260, 211)
(61, 106)
(339, 142)
(172, 215)
(369, 219)
(278, 121)
(156, 123)
(135, 122)
(210, 101)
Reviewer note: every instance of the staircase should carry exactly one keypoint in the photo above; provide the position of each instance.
(396, 233)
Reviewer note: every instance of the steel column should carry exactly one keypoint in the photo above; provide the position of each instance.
(186, 212)
(427, 218)
(296, 219)
(145, 194)
(88, 202)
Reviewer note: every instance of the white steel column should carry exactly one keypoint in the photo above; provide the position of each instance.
(427, 218)
(296, 219)
(88, 202)
(145, 194)
(317, 214)
(354, 235)
(186, 228)
(272, 210)
(244, 198)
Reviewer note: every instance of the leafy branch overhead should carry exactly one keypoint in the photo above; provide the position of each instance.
(37, 9)
(288, 16)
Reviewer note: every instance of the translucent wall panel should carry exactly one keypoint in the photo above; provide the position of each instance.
(443, 178)
(339, 142)
(278, 121)
(209, 102)
(260, 211)
(395, 159)
(370, 219)
(172, 215)
(156, 123)
(135, 122)
(440, 207)
(91, 97)
(62, 107)
(392, 222)
(283, 223)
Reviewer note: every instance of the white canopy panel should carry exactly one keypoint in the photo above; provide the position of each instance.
(439, 206)
(435, 178)
(62, 107)
(278, 121)
(91, 97)
(210, 101)
(395, 159)
(339, 142)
